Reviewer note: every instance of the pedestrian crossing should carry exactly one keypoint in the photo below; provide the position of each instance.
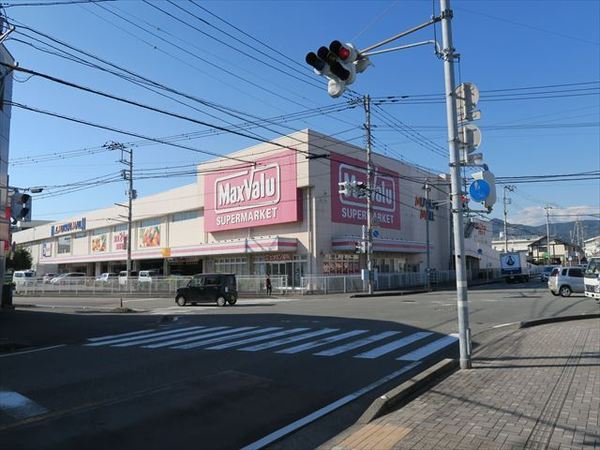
(362, 344)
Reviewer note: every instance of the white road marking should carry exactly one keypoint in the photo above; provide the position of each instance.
(287, 340)
(428, 349)
(357, 344)
(19, 406)
(147, 335)
(112, 336)
(224, 338)
(320, 342)
(203, 334)
(203, 339)
(504, 325)
(394, 345)
(42, 349)
(256, 339)
(278, 434)
(189, 334)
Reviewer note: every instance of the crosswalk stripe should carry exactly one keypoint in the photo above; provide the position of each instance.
(131, 338)
(229, 334)
(320, 342)
(202, 334)
(204, 342)
(256, 339)
(133, 333)
(190, 335)
(428, 349)
(394, 345)
(266, 345)
(356, 344)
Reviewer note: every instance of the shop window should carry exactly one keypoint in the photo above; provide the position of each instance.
(231, 265)
(185, 215)
(64, 245)
(150, 222)
(120, 227)
(341, 264)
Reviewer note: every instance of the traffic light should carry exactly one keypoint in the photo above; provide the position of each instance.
(490, 179)
(21, 202)
(339, 64)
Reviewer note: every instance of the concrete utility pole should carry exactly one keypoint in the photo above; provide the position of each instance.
(427, 189)
(131, 193)
(506, 202)
(548, 208)
(369, 242)
(457, 212)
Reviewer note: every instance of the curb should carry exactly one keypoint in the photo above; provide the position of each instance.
(391, 294)
(426, 378)
(544, 320)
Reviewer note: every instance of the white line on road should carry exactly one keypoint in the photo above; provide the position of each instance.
(357, 344)
(287, 340)
(112, 336)
(32, 351)
(428, 349)
(198, 341)
(394, 345)
(190, 335)
(278, 434)
(141, 336)
(256, 339)
(504, 325)
(19, 406)
(320, 342)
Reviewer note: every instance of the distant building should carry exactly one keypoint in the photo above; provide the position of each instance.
(514, 245)
(558, 252)
(591, 246)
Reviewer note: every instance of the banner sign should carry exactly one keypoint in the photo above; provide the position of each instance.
(119, 241)
(149, 237)
(76, 225)
(252, 196)
(99, 243)
(351, 208)
(47, 250)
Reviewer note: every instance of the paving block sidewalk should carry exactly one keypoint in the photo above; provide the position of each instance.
(537, 388)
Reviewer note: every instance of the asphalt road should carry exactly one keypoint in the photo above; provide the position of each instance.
(222, 378)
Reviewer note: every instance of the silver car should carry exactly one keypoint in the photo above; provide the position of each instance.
(564, 281)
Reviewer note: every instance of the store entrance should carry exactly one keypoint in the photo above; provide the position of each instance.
(293, 270)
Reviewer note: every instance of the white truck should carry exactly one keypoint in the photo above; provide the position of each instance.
(514, 267)
(591, 278)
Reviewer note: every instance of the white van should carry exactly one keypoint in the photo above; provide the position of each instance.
(147, 275)
(21, 277)
(123, 276)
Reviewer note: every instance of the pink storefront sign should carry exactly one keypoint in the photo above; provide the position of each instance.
(245, 196)
(352, 208)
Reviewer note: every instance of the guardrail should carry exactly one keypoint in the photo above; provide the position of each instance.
(246, 284)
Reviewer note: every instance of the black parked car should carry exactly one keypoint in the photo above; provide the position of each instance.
(220, 288)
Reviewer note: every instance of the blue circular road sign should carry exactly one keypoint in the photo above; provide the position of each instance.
(479, 190)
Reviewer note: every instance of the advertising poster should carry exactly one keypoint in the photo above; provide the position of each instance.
(352, 208)
(149, 237)
(47, 250)
(120, 241)
(99, 243)
(252, 196)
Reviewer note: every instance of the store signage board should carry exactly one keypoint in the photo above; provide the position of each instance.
(245, 196)
(69, 227)
(351, 208)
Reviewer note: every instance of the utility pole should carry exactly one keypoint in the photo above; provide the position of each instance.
(427, 189)
(548, 208)
(506, 201)
(127, 160)
(455, 195)
(369, 249)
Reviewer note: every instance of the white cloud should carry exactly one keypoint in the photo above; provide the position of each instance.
(536, 215)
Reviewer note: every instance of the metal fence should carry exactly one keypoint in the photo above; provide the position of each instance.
(246, 284)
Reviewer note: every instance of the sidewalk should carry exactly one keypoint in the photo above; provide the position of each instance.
(537, 388)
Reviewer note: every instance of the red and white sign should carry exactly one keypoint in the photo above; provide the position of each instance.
(252, 196)
(352, 208)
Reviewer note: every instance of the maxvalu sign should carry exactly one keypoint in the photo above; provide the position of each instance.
(69, 227)
(252, 196)
(351, 208)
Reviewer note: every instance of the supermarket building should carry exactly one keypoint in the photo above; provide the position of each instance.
(272, 208)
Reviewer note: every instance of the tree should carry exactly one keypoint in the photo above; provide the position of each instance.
(21, 260)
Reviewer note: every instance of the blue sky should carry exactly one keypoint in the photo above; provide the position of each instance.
(503, 45)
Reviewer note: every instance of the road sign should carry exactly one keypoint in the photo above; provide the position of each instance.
(470, 137)
(479, 190)
(467, 97)
(375, 233)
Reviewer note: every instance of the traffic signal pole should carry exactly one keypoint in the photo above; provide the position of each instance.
(455, 194)
(369, 243)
